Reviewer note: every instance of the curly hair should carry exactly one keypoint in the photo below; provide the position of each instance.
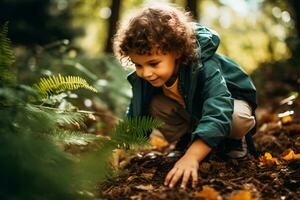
(159, 26)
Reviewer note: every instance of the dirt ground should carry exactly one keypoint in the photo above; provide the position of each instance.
(252, 178)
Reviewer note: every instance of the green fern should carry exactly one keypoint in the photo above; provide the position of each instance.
(133, 131)
(58, 84)
(7, 58)
(47, 119)
(71, 118)
(73, 137)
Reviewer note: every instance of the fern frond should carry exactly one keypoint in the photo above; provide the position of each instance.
(73, 137)
(59, 83)
(38, 120)
(46, 119)
(73, 118)
(7, 58)
(134, 131)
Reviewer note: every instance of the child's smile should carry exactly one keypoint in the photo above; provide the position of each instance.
(157, 68)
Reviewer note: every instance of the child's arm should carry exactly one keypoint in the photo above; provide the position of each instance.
(188, 164)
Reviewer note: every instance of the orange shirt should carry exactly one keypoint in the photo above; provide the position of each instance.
(173, 92)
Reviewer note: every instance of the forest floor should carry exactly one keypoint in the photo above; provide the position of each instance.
(273, 176)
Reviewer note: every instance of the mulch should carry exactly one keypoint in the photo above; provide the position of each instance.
(143, 177)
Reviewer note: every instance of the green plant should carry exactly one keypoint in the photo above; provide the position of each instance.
(7, 58)
(58, 84)
(33, 164)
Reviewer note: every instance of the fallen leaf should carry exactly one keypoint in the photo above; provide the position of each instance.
(158, 142)
(241, 195)
(147, 176)
(145, 187)
(136, 197)
(208, 193)
(267, 160)
(289, 100)
(287, 119)
(290, 155)
(119, 158)
(130, 178)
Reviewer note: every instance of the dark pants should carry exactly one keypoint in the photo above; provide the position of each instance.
(177, 122)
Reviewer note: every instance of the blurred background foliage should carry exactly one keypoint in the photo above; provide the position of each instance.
(73, 37)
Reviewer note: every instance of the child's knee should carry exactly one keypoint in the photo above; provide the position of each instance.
(242, 119)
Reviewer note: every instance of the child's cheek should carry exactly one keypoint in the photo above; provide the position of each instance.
(139, 73)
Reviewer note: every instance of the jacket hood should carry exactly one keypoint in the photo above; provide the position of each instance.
(208, 41)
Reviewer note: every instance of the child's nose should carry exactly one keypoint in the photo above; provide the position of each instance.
(147, 72)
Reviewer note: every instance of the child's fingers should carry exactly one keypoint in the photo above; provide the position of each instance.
(185, 179)
(195, 178)
(176, 177)
(169, 176)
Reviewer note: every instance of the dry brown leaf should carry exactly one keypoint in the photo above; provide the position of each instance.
(241, 195)
(208, 193)
(290, 155)
(158, 142)
(131, 178)
(147, 176)
(273, 126)
(137, 197)
(119, 158)
(267, 160)
(145, 187)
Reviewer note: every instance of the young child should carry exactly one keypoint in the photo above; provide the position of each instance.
(204, 99)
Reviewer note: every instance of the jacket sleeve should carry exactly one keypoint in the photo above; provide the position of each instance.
(215, 122)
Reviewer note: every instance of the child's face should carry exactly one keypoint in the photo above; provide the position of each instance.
(156, 68)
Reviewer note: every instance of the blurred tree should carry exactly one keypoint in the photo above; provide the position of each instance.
(40, 22)
(252, 32)
(192, 6)
(280, 77)
(295, 4)
(115, 10)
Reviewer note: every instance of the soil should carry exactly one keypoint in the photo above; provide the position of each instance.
(222, 178)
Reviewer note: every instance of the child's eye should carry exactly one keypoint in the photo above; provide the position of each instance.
(154, 64)
(137, 65)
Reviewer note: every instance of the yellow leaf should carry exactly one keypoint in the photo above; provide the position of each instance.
(267, 160)
(287, 119)
(241, 195)
(158, 142)
(290, 155)
(208, 193)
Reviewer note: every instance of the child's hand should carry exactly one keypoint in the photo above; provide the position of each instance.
(186, 167)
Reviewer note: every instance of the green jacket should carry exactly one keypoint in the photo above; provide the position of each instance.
(208, 86)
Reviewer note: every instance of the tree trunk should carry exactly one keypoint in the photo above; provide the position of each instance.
(192, 6)
(115, 11)
(296, 6)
